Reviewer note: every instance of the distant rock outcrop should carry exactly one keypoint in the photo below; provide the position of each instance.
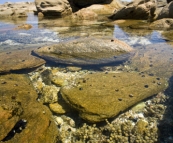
(16, 10)
(138, 9)
(53, 7)
(166, 12)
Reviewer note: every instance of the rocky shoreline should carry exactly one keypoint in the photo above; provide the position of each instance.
(128, 102)
(140, 123)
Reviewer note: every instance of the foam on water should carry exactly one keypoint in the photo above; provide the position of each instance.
(138, 41)
(154, 37)
(9, 42)
(24, 34)
(46, 39)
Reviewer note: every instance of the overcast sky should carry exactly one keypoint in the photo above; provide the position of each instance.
(3, 1)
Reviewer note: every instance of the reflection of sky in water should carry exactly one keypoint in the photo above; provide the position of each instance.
(154, 37)
(31, 36)
(37, 35)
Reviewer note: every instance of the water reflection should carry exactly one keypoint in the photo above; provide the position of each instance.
(138, 40)
(46, 31)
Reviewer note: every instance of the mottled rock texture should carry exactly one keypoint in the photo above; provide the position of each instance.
(136, 10)
(67, 7)
(53, 7)
(23, 119)
(99, 96)
(166, 11)
(86, 51)
(164, 23)
(98, 9)
(16, 10)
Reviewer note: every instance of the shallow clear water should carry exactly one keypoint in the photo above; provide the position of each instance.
(50, 31)
(153, 52)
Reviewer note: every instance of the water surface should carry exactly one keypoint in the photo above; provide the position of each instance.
(51, 31)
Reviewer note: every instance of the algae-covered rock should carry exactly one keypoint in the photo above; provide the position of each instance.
(23, 119)
(99, 96)
(60, 107)
(86, 51)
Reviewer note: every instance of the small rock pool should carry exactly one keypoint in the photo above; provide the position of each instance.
(153, 48)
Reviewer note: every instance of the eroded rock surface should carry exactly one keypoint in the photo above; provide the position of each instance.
(165, 23)
(16, 10)
(166, 11)
(17, 60)
(23, 119)
(99, 96)
(86, 51)
(136, 10)
(53, 7)
(98, 9)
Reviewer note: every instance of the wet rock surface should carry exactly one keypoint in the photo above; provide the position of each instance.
(143, 122)
(23, 119)
(99, 96)
(18, 60)
(86, 51)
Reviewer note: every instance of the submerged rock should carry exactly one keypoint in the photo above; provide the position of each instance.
(22, 118)
(17, 60)
(154, 59)
(86, 51)
(24, 27)
(99, 96)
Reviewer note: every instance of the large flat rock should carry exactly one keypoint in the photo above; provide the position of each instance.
(23, 119)
(86, 51)
(17, 60)
(99, 96)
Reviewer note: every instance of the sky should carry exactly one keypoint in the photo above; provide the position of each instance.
(3, 1)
